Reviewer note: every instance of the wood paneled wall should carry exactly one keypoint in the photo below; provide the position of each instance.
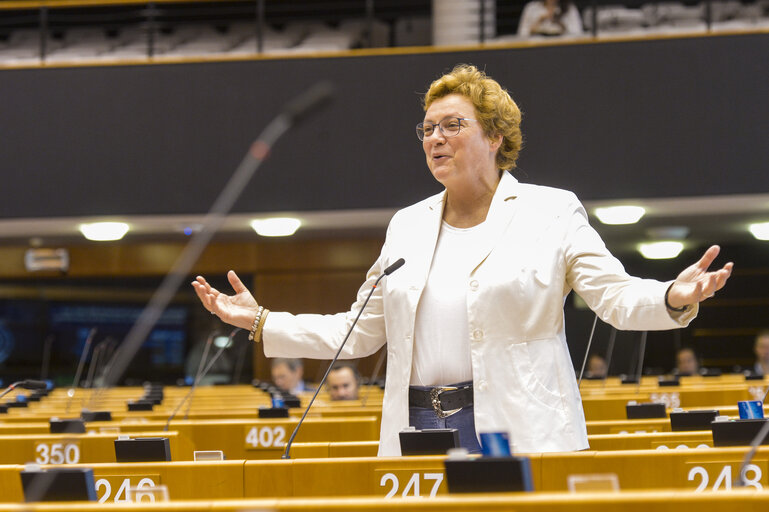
(301, 276)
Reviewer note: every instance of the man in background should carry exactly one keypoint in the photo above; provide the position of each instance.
(596, 367)
(287, 374)
(761, 349)
(343, 382)
(687, 362)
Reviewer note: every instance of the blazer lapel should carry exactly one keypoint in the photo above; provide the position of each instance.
(501, 212)
(423, 244)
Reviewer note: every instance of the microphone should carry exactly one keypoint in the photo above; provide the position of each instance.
(201, 373)
(392, 268)
(241, 360)
(80, 364)
(312, 99)
(641, 353)
(33, 384)
(739, 480)
(209, 366)
(258, 152)
(25, 384)
(374, 375)
(389, 270)
(610, 353)
(587, 351)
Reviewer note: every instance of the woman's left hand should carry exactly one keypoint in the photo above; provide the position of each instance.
(696, 284)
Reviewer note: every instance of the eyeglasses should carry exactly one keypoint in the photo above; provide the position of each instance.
(449, 127)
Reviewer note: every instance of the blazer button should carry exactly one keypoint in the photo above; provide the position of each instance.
(477, 335)
(473, 285)
(482, 385)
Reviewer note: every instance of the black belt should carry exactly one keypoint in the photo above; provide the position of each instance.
(444, 400)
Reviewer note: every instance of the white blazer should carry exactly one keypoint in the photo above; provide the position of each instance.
(524, 382)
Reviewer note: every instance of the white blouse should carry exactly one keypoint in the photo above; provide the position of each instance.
(441, 336)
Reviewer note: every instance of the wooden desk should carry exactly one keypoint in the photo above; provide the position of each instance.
(627, 501)
(686, 470)
(185, 480)
(598, 442)
(238, 438)
(77, 448)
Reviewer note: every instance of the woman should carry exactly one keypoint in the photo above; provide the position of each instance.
(478, 306)
(550, 18)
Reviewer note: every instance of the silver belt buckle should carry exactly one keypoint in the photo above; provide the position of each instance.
(435, 400)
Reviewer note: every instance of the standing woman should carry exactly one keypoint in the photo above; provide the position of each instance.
(473, 322)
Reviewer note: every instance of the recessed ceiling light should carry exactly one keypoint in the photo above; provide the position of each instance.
(620, 214)
(668, 233)
(660, 250)
(276, 226)
(760, 230)
(104, 231)
(222, 341)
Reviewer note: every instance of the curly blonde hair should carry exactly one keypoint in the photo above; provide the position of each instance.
(497, 112)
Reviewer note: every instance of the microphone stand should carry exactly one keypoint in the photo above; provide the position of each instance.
(81, 363)
(375, 374)
(389, 270)
(209, 366)
(641, 354)
(199, 376)
(610, 353)
(292, 113)
(587, 351)
(241, 361)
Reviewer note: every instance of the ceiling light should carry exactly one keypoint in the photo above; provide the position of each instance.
(668, 233)
(660, 250)
(222, 341)
(276, 226)
(620, 214)
(104, 231)
(760, 230)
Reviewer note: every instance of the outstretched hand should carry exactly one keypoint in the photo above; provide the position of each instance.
(238, 309)
(696, 284)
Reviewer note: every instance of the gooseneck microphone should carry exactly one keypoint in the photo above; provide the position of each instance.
(80, 364)
(374, 375)
(739, 480)
(587, 351)
(294, 112)
(389, 270)
(25, 384)
(210, 365)
(641, 354)
(201, 373)
(610, 353)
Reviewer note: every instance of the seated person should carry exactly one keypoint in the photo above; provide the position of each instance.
(761, 349)
(287, 374)
(550, 18)
(342, 382)
(596, 367)
(687, 362)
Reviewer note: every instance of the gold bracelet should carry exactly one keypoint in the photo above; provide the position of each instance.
(255, 325)
(260, 327)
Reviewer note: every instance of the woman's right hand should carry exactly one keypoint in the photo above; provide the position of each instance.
(238, 309)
